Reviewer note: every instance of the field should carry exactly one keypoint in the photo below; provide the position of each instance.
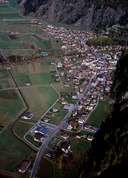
(29, 35)
(29, 85)
(23, 42)
(79, 146)
(39, 99)
(22, 127)
(20, 26)
(5, 8)
(40, 95)
(50, 169)
(56, 118)
(35, 81)
(11, 103)
(13, 3)
(34, 73)
(12, 151)
(7, 12)
(99, 115)
(5, 79)
(26, 41)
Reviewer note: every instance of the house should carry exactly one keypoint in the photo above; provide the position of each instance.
(90, 138)
(39, 137)
(27, 116)
(59, 65)
(65, 147)
(44, 54)
(81, 121)
(69, 127)
(42, 130)
(55, 110)
(23, 168)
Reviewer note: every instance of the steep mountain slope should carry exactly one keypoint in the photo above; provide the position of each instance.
(87, 13)
(109, 153)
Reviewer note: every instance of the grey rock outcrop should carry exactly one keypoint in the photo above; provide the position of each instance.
(90, 14)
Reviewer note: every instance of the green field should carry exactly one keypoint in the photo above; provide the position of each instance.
(9, 15)
(39, 99)
(34, 73)
(7, 12)
(79, 146)
(4, 36)
(20, 42)
(34, 81)
(5, 79)
(56, 118)
(5, 8)
(100, 114)
(8, 44)
(10, 103)
(26, 53)
(12, 151)
(22, 127)
(21, 26)
(13, 3)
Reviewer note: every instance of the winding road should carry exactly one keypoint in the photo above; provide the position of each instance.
(45, 144)
(62, 125)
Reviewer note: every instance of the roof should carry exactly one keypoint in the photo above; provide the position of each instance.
(65, 145)
(42, 129)
(24, 166)
(28, 114)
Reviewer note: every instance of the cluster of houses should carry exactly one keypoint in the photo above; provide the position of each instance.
(63, 143)
(41, 131)
(88, 71)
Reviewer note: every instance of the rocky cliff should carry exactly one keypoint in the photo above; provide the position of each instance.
(90, 14)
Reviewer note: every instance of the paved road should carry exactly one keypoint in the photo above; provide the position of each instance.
(62, 125)
(45, 144)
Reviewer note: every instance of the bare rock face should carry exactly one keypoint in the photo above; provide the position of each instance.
(90, 14)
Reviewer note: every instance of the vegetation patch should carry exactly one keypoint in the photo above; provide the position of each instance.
(99, 114)
(12, 151)
(10, 103)
(100, 41)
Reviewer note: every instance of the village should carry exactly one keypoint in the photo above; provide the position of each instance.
(87, 71)
(63, 80)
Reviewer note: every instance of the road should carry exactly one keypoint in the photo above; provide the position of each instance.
(45, 144)
(62, 125)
